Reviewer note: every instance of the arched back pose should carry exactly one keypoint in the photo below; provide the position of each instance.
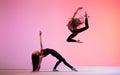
(37, 57)
(73, 26)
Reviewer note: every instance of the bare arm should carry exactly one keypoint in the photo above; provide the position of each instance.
(70, 23)
(76, 12)
(41, 52)
(40, 61)
(41, 46)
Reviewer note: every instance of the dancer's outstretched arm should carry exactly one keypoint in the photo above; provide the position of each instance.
(76, 12)
(41, 51)
(41, 46)
(70, 26)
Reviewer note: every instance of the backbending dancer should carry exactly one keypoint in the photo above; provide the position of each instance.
(73, 26)
(37, 57)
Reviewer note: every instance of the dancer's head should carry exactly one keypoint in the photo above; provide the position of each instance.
(79, 20)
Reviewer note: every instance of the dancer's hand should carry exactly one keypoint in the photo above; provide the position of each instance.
(80, 8)
(38, 68)
(40, 33)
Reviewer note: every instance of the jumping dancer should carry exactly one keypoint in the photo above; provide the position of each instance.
(37, 57)
(73, 26)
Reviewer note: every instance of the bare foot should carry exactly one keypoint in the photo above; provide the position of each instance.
(78, 41)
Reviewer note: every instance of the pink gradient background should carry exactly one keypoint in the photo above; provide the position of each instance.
(21, 20)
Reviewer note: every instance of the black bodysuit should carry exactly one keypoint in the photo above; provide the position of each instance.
(75, 32)
(54, 53)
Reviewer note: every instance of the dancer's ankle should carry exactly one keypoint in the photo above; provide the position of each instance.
(78, 41)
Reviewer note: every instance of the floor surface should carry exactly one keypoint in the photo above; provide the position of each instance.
(81, 71)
